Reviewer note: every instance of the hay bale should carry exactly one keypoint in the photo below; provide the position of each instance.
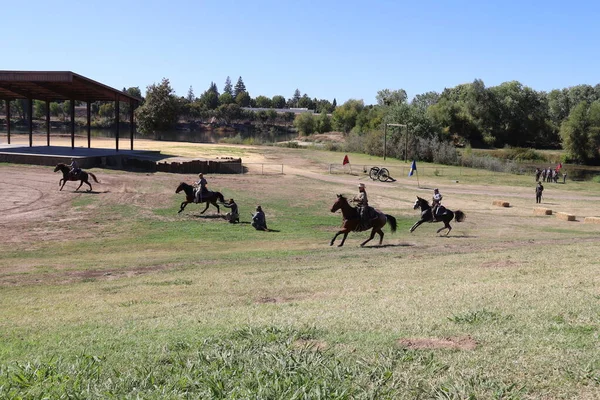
(501, 203)
(565, 216)
(591, 220)
(542, 211)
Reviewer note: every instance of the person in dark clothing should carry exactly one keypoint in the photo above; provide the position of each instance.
(259, 221)
(538, 192)
(234, 215)
(538, 172)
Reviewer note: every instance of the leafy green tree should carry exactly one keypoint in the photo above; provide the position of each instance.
(226, 98)
(159, 111)
(323, 123)
(107, 110)
(263, 102)
(210, 97)
(334, 104)
(243, 99)
(344, 117)
(39, 109)
(306, 102)
(388, 97)
(581, 132)
(278, 101)
(229, 113)
(55, 109)
(425, 100)
(323, 106)
(228, 88)
(239, 88)
(305, 123)
(124, 106)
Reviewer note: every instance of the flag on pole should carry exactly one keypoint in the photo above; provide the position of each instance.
(558, 167)
(413, 168)
(346, 160)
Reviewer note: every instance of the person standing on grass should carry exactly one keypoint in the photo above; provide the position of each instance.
(538, 192)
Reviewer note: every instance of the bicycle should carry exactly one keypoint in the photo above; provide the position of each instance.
(381, 174)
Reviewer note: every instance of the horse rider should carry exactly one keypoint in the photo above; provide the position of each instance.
(362, 203)
(75, 170)
(436, 203)
(259, 221)
(201, 189)
(232, 216)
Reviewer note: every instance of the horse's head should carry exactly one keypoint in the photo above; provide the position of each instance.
(420, 203)
(180, 187)
(341, 200)
(60, 167)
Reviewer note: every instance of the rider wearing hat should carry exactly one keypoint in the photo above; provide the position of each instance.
(436, 203)
(362, 202)
(74, 167)
(201, 188)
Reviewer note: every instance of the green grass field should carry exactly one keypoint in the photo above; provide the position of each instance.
(115, 295)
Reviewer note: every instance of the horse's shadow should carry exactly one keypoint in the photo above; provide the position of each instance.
(87, 192)
(376, 246)
(209, 216)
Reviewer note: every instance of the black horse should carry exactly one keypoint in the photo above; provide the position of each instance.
(208, 198)
(68, 175)
(444, 215)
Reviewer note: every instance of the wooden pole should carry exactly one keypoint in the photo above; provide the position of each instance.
(117, 123)
(47, 122)
(72, 123)
(8, 121)
(131, 122)
(89, 123)
(30, 110)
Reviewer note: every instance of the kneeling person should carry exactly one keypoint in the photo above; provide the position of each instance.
(232, 216)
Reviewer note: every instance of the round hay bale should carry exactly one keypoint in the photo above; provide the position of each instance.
(565, 216)
(501, 203)
(542, 211)
(591, 220)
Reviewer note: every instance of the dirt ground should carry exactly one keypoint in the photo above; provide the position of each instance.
(33, 209)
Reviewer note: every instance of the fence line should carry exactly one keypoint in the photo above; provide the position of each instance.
(402, 171)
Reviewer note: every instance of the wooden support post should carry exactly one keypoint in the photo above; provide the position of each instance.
(30, 110)
(131, 122)
(72, 123)
(117, 112)
(47, 122)
(89, 122)
(8, 121)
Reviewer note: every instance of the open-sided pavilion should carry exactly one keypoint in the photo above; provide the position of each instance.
(52, 86)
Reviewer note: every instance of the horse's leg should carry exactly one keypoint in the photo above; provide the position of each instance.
(416, 225)
(335, 237)
(205, 208)
(446, 226)
(373, 231)
(214, 203)
(79, 186)
(89, 184)
(63, 184)
(182, 206)
(343, 239)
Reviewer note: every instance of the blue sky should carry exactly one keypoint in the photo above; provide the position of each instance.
(327, 49)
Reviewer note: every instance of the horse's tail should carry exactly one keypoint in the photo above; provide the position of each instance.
(220, 197)
(459, 216)
(93, 176)
(393, 222)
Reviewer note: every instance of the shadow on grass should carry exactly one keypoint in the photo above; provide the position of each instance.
(388, 245)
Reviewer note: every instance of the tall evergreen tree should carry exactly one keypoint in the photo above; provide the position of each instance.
(190, 95)
(228, 88)
(239, 87)
(295, 98)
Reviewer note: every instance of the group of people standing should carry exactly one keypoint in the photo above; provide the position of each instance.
(549, 175)
(259, 220)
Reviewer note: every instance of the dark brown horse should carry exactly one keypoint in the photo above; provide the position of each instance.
(69, 176)
(351, 222)
(208, 198)
(444, 215)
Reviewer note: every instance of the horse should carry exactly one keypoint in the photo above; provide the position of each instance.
(208, 198)
(351, 222)
(445, 217)
(69, 176)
